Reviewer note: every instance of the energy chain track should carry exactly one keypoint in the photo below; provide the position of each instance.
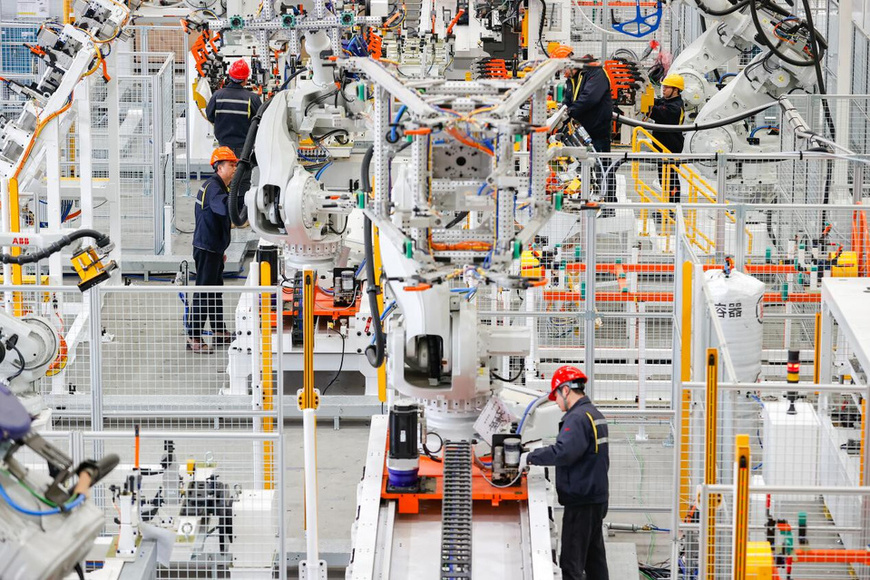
(456, 511)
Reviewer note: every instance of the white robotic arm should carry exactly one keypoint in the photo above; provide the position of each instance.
(28, 345)
(70, 52)
(766, 78)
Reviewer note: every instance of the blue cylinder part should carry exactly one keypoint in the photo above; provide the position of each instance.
(402, 477)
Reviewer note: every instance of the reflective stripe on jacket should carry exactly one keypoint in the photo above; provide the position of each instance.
(231, 110)
(580, 455)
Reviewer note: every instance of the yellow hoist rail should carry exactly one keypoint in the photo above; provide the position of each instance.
(698, 189)
(741, 506)
(266, 317)
(711, 456)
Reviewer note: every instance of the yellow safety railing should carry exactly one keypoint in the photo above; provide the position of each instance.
(698, 189)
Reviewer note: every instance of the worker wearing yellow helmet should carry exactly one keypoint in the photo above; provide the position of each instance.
(668, 110)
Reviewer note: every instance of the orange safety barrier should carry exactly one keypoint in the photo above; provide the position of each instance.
(668, 268)
(833, 556)
(861, 241)
(769, 297)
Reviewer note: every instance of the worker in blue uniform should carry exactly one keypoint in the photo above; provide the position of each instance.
(589, 101)
(231, 110)
(211, 238)
(581, 458)
(669, 110)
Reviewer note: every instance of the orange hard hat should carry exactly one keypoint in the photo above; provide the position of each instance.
(239, 70)
(566, 374)
(222, 154)
(561, 51)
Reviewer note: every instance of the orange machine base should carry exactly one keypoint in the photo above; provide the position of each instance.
(481, 490)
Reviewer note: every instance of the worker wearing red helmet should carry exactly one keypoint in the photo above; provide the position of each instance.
(211, 238)
(581, 459)
(232, 108)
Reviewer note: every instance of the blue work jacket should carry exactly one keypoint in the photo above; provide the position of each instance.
(580, 456)
(212, 230)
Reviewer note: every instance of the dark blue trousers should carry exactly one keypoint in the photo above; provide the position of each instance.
(207, 306)
(583, 542)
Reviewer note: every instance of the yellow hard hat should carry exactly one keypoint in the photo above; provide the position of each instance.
(674, 80)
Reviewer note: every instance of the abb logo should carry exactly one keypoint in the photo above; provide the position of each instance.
(20, 241)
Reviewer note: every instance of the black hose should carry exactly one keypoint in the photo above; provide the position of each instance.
(707, 10)
(693, 127)
(239, 215)
(20, 364)
(820, 78)
(101, 239)
(541, 28)
(753, 9)
(770, 233)
(375, 352)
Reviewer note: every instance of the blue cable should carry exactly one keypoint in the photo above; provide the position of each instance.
(388, 310)
(321, 170)
(757, 129)
(393, 133)
(726, 75)
(482, 187)
(184, 319)
(526, 414)
(359, 269)
(79, 500)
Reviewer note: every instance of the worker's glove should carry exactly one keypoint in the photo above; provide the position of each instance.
(524, 461)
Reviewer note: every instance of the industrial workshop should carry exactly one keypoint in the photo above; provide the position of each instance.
(434, 289)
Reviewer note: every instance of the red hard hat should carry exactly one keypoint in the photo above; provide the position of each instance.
(239, 70)
(222, 154)
(564, 375)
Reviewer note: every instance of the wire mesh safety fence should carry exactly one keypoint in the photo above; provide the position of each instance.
(174, 40)
(17, 64)
(215, 493)
(211, 462)
(145, 89)
(805, 445)
(787, 537)
(619, 29)
(641, 460)
(147, 373)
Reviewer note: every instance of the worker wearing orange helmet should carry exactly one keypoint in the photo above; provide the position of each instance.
(211, 238)
(231, 108)
(581, 457)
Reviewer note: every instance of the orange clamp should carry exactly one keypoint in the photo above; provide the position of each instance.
(455, 20)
